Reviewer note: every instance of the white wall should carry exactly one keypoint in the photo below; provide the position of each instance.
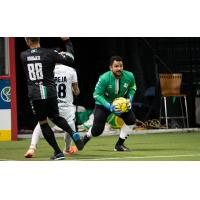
(5, 119)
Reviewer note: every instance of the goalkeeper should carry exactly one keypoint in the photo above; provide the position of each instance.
(111, 85)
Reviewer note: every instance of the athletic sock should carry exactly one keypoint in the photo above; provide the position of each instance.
(125, 130)
(68, 141)
(62, 123)
(120, 141)
(89, 133)
(35, 136)
(86, 139)
(50, 137)
(67, 137)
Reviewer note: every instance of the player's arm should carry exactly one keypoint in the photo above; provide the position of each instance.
(132, 88)
(75, 89)
(131, 93)
(99, 96)
(99, 92)
(66, 57)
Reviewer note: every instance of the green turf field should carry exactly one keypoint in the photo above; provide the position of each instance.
(153, 147)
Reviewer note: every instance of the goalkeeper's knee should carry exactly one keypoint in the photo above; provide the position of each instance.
(97, 130)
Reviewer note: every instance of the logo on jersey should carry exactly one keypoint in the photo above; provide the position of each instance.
(126, 85)
(33, 50)
(5, 94)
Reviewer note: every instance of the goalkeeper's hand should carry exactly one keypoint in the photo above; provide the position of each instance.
(113, 109)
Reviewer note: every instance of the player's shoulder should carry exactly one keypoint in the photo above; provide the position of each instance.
(24, 53)
(47, 51)
(36, 51)
(65, 68)
(105, 75)
(50, 51)
(104, 78)
(128, 73)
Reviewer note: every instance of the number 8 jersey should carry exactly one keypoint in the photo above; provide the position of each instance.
(64, 77)
(39, 64)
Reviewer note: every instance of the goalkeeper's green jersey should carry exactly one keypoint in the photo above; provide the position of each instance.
(109, 87)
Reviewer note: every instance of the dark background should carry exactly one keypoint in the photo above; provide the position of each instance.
(145, 57)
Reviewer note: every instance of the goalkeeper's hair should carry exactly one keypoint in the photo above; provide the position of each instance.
(117, 58)
(33, 39)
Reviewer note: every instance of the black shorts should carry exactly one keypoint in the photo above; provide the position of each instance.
(101, 114)
(44, 108)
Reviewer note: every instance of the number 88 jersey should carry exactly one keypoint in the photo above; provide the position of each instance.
(39, 64)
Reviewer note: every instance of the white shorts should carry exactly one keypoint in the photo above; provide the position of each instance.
(68, 113)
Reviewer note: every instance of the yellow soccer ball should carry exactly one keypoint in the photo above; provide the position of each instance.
(120, 104)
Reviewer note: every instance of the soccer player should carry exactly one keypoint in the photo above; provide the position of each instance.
(39, 64)
(112, 84)
(66, 85)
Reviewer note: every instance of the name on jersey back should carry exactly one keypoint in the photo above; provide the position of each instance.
(60, 79)
(33, 58)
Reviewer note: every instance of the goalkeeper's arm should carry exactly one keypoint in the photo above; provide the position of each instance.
(107, 105)
(131, 93)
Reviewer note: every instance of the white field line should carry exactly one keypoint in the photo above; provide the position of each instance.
(136, 132)
(7, 160)
(128, 157)
(142, 157)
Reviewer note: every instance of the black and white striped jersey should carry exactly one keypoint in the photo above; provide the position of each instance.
(39, 64)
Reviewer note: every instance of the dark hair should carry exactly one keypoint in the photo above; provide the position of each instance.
(113, 58)
(33, 39)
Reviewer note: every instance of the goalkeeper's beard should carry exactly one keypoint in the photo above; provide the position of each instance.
(117, 73)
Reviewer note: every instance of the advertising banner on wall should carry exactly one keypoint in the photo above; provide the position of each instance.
(5, 94)
(5, 110)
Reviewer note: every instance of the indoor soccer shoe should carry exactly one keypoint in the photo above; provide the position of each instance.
(30, 153)
(85, 139)
(77, 140)
(59, 156)
(121, 148)
(72, 150)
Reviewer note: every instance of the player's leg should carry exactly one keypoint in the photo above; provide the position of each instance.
(129, 119)
(41, 109)
(100, 117)
(62, 123)
(34, 141)
(69, 148)
(69, 114)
